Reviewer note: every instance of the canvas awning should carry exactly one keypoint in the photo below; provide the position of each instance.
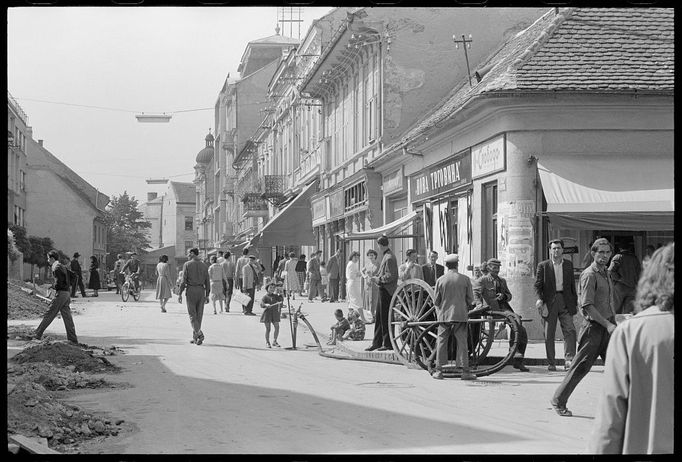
(609, 192)
(391, 229)
(292, 225)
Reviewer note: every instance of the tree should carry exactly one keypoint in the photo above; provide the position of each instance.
(20, 239)
(38, 254)
(125, 227)
(12, 251)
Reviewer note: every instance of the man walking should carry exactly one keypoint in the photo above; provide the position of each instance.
(241, 262)
(333, 272)
(491, 292)
(78, 279)
(432, 270)
(387, 280)
(249, 280)
(61, 301)
(228, 270)
(454, 297)
(314, 275)
(557, 299)
(198, 284)
(624, 270)
(594, 300)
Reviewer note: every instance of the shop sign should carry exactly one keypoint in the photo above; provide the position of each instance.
(319, 208)
(442, 177)
(336, 204)
(394, 182)
(573, 249)
(489, 157)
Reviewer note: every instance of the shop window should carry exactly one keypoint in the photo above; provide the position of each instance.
(489, 221)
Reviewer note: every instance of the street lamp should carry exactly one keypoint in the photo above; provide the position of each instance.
(153, 118)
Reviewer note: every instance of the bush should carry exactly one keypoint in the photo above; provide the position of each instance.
(12, 251)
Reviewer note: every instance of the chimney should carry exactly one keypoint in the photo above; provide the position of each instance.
(40, 143)
(151, 196)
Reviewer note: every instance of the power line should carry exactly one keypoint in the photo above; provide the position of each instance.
(108, 108)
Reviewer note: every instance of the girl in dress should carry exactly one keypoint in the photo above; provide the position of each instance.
(354, 284)
(164, 288)
(216, 275)
(371, 269)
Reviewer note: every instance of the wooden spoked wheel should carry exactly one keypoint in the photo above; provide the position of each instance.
(410, 314)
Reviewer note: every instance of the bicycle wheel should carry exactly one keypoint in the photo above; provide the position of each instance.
(136, 294)
(125, 291)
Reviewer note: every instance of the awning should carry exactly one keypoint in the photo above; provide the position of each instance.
(293, 224)
(611, 193)
(391, 229)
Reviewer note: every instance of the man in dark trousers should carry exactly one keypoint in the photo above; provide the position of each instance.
(594, 300)
(228, 271)
(387, 280)
(198, 284)
(78, 278)
(432, 270)
(333, 271)
(249, 282)
(492, 293)
(557, 299)
(624, 270)
(60, 303)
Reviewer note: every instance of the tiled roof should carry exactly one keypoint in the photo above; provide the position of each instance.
(586, 49)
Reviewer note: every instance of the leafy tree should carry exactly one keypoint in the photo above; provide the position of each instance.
(12, 251)
(38, 254)
(20, 239)
(125, 227)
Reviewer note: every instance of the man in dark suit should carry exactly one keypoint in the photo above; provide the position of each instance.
(557, 299)
(78, 279)
(432, 270)
(387, 280)
(334, 273)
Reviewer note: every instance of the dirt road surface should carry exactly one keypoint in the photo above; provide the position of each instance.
(233, 395)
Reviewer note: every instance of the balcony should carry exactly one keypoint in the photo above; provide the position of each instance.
(310, 163)
(273, 188)
(254, 205)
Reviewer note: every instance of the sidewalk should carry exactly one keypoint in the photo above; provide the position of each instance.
(321, 316)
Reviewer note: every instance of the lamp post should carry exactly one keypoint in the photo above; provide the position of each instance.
(466, 43)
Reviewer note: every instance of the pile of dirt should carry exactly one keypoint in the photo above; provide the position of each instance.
(21, 305)
(35, 379)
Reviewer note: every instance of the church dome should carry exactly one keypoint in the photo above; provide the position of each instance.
(206, 154)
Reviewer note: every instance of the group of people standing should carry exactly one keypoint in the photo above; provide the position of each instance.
(94, 282)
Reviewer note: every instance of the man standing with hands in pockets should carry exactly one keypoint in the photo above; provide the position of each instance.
(557, 299)
(387, 280)
(195, 279)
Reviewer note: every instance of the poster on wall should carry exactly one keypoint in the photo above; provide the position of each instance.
(516, 238)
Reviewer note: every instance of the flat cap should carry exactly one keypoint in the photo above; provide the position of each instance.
(382, 240)
(451, 258)
(494, 261)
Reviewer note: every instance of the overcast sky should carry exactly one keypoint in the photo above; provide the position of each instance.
(125, 61)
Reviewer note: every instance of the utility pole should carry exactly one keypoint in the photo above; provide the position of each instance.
(466, 43)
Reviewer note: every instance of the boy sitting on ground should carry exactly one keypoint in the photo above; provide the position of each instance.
(339, 329)
(357, 329)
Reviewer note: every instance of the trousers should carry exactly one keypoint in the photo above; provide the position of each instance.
(558, 311)
(594, 338)
(313, 288)
(381, 326)
(251, 293)
(229, 287)
(194, 297)
(459, 330)
(60, 304)
(623, 298)
(333, 290)
(77, 282)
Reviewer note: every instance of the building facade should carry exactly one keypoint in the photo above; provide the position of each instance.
(18, 133)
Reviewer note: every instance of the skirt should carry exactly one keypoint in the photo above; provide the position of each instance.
(271, 315)
(217, 291)
(163, 288)
(301, 280)
(94, 283)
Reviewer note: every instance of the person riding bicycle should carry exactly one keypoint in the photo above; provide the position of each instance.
(133, 268)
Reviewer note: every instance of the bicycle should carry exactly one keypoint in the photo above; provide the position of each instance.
(128, 289)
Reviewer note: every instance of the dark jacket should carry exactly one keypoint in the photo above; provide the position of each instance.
(76, 267)
(545, 285)
(486, 289)
(333, 267)
(388, 272)
(61, 277)
(429, 277)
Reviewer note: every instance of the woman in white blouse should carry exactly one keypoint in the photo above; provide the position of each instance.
(354, 283)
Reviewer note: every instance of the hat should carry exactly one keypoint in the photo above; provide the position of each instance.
(382, 240)
(76, 255)
(451, 258)
(252, 257)
(410, 252)
(134, 253)
(494, 262)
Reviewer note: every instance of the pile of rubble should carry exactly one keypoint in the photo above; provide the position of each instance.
(43, 372)
(21, 304)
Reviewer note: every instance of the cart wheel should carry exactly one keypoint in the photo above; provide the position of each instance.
(410, 314)
(125, 292)
(481, 336)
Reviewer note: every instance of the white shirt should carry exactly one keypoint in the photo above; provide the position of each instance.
(559, 275)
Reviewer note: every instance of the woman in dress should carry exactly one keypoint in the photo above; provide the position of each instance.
(216, 275)
(300, 271)
(291, 285)
(371, 295)
(164, 288)
(354, 284)
(93, 282)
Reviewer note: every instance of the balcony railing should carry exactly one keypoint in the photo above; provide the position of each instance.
(254, 205)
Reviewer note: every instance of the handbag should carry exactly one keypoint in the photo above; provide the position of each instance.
(241, 298)
(368, 315)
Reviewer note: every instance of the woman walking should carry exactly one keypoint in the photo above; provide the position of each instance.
(300, 272)
(164, 288)
(291, 285)
(216, 275)
(371, 295)
(93, 282)
(354, 284)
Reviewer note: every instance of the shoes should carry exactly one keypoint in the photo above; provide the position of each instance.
(561, 410)
(437, 374)
(199, 341)
(84, 296)
(371, 348)
(332, 342)
(227, 310)
(383, 348)
(215, 312)
(275, 344)
(551, 367)
(249, 313)
(521, 367)
(567, 365)
(193, 340)
(468, 376)
(267, 345)
(163, 310)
